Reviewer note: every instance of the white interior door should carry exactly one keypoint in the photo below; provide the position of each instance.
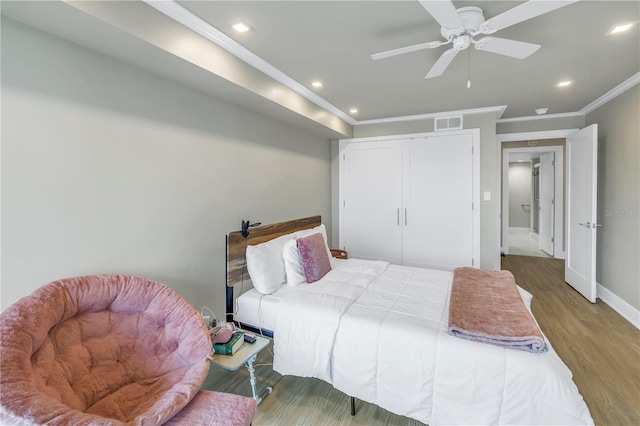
(582, 162)
(546, 201)
(373, 200)
(438, 192)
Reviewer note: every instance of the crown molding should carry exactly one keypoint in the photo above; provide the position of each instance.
(499, 110)
(611, 94)
(178, 13)
(616, 91)
(538, 117)
(183, 16)
(544, 134)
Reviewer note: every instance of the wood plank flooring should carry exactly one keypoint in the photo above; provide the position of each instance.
(600, 347)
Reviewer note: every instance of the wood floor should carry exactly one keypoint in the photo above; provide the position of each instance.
(600, 347)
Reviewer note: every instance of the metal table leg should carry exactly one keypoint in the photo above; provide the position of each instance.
(252, 379)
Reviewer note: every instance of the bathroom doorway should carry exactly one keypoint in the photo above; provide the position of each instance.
(532, 204)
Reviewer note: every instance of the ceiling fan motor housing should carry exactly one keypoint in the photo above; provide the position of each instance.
(472, 17)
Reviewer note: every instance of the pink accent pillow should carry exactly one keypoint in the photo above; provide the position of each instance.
(313, 256)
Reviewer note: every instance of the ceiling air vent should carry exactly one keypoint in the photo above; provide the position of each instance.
(453, 122)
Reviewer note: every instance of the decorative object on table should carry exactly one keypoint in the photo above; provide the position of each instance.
(222, 333)
(339, 254)
(232, 346)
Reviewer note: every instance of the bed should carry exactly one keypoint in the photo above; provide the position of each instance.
(379, 332)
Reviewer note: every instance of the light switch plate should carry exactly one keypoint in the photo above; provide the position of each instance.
(487, 195)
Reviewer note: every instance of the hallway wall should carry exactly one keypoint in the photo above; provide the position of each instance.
(520, 194)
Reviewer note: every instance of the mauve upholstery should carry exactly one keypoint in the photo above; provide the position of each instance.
(314, 257)
(103, 350)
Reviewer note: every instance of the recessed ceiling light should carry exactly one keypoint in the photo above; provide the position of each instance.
(316, 84)
(542, 111)
(242, 27)
(353, 110)
(565, 83)
(617, 29)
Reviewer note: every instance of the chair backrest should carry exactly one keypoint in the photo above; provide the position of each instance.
(113, 346)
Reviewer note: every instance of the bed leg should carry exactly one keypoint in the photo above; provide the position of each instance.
(353, 406)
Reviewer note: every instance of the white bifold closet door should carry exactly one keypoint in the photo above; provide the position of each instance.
(372, 201)
(410, 201)
(438, 202)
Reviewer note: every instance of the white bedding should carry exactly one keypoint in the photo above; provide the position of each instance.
(378, 332)
(259, 310)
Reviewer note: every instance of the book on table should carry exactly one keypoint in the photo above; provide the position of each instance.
(232, 346)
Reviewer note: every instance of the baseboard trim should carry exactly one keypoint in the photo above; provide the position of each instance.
(627, 311)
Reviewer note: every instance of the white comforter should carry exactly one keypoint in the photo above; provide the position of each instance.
(378, 332)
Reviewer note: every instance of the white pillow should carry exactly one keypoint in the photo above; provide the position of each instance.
(266, 265)
(291, 256)
(292, 264)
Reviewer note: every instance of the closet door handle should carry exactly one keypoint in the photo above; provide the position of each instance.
(398, 216)
(405, 216)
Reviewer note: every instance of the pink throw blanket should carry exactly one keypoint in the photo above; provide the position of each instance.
(485, 306)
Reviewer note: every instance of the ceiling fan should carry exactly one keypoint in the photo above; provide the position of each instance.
(460, 26)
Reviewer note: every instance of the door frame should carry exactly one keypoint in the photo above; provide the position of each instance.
(544, 158)
(475, 134)
(503, 166)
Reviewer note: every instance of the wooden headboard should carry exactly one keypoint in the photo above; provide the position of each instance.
(236, 247)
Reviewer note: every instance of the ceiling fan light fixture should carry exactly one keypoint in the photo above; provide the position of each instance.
(461, 42)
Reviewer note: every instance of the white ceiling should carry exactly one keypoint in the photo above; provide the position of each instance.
(332, 41)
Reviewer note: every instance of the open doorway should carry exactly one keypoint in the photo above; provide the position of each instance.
(531, 203)
(580, 216)
(533, 198)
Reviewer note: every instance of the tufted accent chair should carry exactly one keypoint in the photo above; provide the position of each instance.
(109, 350)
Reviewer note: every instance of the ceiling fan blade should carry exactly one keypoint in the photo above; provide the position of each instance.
(520, 13)
(415, 47)
(503, 46)
(444, 12)
(442, 63)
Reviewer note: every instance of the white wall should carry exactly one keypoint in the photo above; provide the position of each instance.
(110, 169)
(519, 194)
(618, 244)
